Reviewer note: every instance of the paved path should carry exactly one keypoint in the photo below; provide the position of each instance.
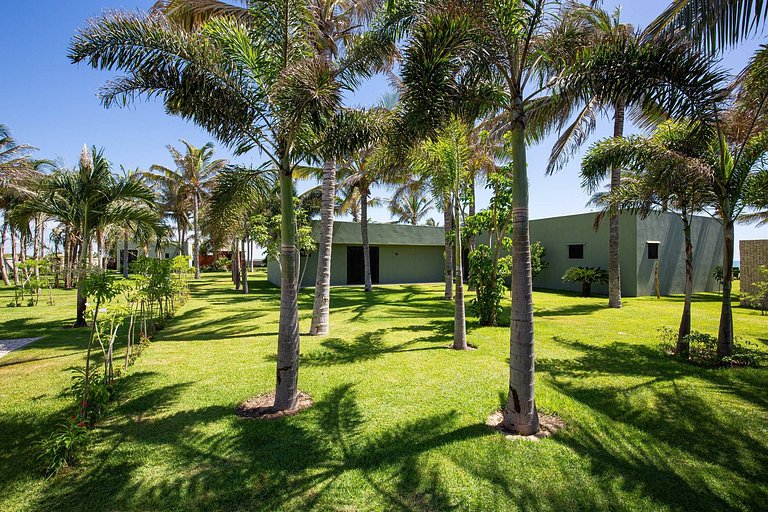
(8, 346)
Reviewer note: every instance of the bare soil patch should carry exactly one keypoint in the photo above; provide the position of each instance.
(262, 407)
(548, 425)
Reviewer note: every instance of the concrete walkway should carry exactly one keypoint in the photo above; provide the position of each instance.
(8, 346)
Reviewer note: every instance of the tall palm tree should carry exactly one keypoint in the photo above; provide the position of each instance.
(257, 84)
(664, 173)
(515, 43)
(598, 27)
(410, 205)
(192, 180)
(337, 23)
(89, 199)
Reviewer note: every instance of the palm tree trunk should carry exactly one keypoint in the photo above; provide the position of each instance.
(447, 228)
(288, 342)
(3, 269)
(67, 255)
(321, 310)
(725, 333)
(14, 258)
(682, 347)
(250, 252)
(124, 262)
(236, 263)
(244, 270)
(364, 236)
(520, 412)
(196, 243)
(459, 320)
(85, 259)
(614, 263)
(36, 244)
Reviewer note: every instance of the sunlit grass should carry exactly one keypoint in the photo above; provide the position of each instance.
(398, 420)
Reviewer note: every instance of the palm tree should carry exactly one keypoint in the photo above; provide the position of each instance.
(367, 166)
(15, 165)
(89, 199)
(192, 180)
(713, 24)
(443, 162)
(599, 28)
(337, 23)
(265, 87)
(515, 44)
(176, 207)
(239, 194)
(664, 173)
(348, 201)
(410, 205)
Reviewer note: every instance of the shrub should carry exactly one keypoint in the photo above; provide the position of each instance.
(586, 276)
(99, 393)
(61, 447)
(703, 349)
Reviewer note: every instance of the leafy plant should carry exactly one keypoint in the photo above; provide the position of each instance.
(586, 276)
(703, 350)
(60, 448)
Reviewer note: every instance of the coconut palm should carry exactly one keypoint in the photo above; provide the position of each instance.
(191, 180)
(410, 205)
(256, 84)
(89, 199)
(664, 173)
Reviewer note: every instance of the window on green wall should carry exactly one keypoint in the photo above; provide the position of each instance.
(653, 250)
(576, 251)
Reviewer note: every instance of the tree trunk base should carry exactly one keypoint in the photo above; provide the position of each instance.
(548, 425)
(262, 407)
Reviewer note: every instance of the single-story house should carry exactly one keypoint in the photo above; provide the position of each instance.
(415, 254)
(400, 253)
(646, 246)
(753, 254)
(168, 250)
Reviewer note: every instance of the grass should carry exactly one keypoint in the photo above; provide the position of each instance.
(398, 420)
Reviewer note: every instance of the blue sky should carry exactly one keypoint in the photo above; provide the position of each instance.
(52, 104)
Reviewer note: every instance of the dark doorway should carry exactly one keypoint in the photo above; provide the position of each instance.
(356, 265)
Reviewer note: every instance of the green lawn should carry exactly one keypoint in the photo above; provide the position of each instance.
(399, 419)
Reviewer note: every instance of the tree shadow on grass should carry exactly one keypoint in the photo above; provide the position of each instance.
(641, 429)
(573, 309)
(292, 463)
(371, 345)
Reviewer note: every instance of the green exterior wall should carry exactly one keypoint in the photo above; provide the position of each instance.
(667, 228)
(407, 254)
(637, 271)
(415, 254)
(556, 233)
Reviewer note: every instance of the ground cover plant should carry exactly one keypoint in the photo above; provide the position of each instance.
(399, 419)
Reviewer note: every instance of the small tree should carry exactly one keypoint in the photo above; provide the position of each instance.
(586, 276)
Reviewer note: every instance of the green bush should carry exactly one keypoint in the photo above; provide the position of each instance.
(61, 447)
(703, 349)
(586, 276)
